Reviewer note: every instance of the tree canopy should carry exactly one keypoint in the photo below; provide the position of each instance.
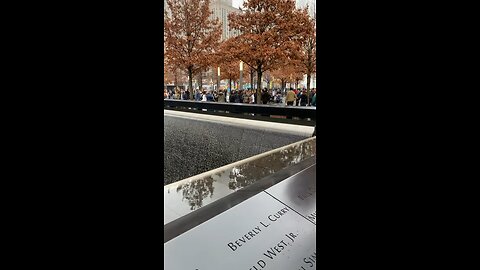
(271, 31)
(191, 36)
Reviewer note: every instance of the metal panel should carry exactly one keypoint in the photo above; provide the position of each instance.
(299, 192)
(260, 233)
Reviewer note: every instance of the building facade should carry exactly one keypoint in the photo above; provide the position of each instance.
(220, 9)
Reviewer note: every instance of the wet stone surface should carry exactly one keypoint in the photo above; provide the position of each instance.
(192, 147)
(181, 198)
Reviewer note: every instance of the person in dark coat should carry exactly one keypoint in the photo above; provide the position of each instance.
(265, 96)
(239, 97)
(312, 92)
(232, 97)
(303, 98)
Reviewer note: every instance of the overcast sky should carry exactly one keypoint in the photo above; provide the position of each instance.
(237, 3)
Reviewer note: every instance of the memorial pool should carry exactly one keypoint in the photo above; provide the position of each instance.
(193, 146)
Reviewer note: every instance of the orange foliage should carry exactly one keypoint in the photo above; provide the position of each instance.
(191, 37)
(272, 31)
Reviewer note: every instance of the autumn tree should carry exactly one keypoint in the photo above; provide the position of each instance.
(251, 71)
(230, 51)
(307, 53)
(173, 75)
(290, 71)
(229, 71)
(200, 77)
(226, 59)
(168, 77)
(296, 70)
(296, 77)
(190, 36)
(271, 31)
(281, 76)
(268, 78)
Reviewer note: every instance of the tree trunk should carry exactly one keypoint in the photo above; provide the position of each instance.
(190, 80)
(251, 79)
(200, 81)
(259, 84)
(176, 78)
(229, 86)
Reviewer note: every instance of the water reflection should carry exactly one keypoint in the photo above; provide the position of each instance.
(248, 173)
(198, 192)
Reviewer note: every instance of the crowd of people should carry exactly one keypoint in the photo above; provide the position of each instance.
(288, 97)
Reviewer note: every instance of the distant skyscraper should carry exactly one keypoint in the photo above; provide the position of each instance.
(220, 9)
